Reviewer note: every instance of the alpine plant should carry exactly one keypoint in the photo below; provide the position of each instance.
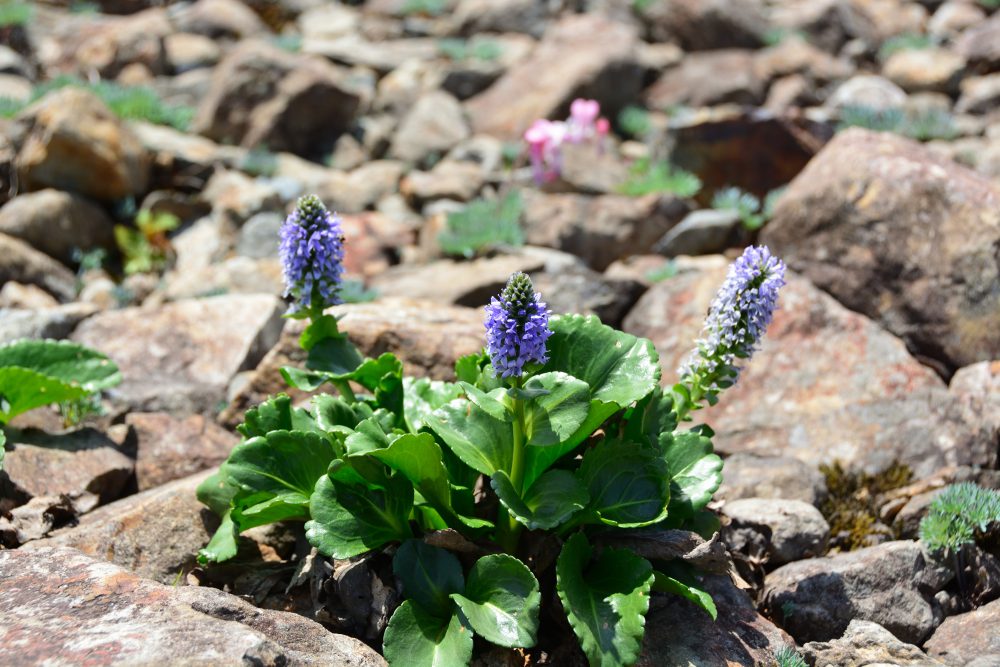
(517, 326)
(312, 256)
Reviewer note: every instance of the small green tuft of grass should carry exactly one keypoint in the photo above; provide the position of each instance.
(354, 291)
(15, 13)
(647, 177)
(663, 272)
(635, 121)
(425, 7)
(958, 515)
(788, 657)
(482, 225)
(906, 42)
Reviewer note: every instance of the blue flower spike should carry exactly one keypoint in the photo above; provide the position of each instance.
(517, 328)
(312, 256)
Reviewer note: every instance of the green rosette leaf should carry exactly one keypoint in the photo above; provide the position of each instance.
(22, 389)
(481, 441)
(282, 464)
(550, 501)
(627, 483)
(423, 396)
(416, 638)
(275, 414)
(694, 470)
(501, 601)
(605, 599)
(69, 363)
(430, 575)
(558, 411)
(686, 588)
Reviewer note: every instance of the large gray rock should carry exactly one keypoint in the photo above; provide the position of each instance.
(25, 265)
(866, 643)
(180, 357)
(168, 447)
(903, 236)
(434, 124)
(827, 384)
(715, 24)
(753, 476)
(968, 639)
(58, 322)
(583, 55)
(891, 584)
(780, 530)
(726, 76)
(61, 607)
(700, 233)
(57, 223)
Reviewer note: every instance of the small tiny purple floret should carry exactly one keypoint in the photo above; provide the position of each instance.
(517, 328)
(312, 255)
(740, 314)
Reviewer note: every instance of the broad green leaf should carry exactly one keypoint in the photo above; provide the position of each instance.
(627, 483)
(332, 412)
(414, 638)
(275, 414)
(423, 396)
(551, 500)
(501, 601)
(420, 460)
(223, 544)
(605, 599)
(482, 442)
(260, 509)
(553, 417)
(695, 472)
(429, 576)
(350, 517)
(321, 328)
(469, 367)
(285, 464)
(22, 389)
(652, 418)
(667, 584)
(217, 491)
(333, 354)
(619, 368)
(70, 363)
(368, 437)
(491, 403)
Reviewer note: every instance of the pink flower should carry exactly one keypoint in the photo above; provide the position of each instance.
(582, 114)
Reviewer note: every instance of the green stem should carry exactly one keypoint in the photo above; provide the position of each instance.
(510, 528)
(344, 387)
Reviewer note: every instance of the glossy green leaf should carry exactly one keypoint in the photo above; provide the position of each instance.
(501, 601)
(492, 403)
(666, 584)
(351, 517)
(260, 509)
(429, 576)
(627, 483)
(420, 460)
(333, 412)
(423, 396)
(69, 363)
(482, 442)
(275, 414)
(217, 491)
(285, 464)
(223, 544)
(605, 599)
(367, 437)
(415, 638)
(333, 354)
(555, 415)
(22, 389)
(550, 501)
(468, 368)
(695, 472)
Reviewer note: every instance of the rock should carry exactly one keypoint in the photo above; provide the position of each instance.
(829, 24)
(780, 529)
(428, 339)
(916, 70)
(16, 323)
(716, 24)
(220, 19)
(12, 62)
(969, 638)
(328, 21)
(64, 608)
(980, 44)
(235, 275)
(796, 55)
(750, 476)
(14, 295)
(891, 584)
(504, 16)
(953, 17)
(111, 45)
(154, 534)
(75, 143)
(434, 124)
(740, 636)
(755, 151)
(599, 230)
(591, 169)
(23, 264)
(361, 188)
(186, 51)
(580, 56)
(35, 519)
(263, 96)
(181, 356)
(726, 76)
(259, 236)
(885, 254)
(700, 233)
(867, 91)
(980, 94)
(381, 56)
(580, 290)
(168, 448)
(460, 181)
(57, 223)
(866, 643)
(836, 386)
(77, 464)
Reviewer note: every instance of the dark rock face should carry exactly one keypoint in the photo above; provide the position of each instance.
(903, 236)
(55, 597)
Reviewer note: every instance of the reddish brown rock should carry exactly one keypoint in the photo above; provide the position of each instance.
(726, 76)
(902, 235)
(61, 607)
(827, 384)
(168, 448)
(968, 639)
(582, 55)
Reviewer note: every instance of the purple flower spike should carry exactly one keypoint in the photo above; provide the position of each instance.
(312, 255)
(517, 327)
(738, 318)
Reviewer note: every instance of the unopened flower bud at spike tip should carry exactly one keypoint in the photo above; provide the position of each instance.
(312, 255)
(517, 327)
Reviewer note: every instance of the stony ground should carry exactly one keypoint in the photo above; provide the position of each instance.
(884, 357)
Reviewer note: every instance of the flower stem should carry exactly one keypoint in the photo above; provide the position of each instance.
(344, 387)
(509, 528)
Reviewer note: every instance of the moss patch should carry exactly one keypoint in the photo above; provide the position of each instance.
(851, 506)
